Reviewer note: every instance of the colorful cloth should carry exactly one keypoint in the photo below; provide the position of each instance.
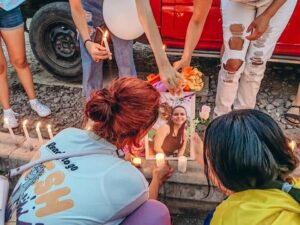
(258, 207)
(86, 190)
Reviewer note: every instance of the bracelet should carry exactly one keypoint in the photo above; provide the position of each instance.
(286, 187)
(87, 40)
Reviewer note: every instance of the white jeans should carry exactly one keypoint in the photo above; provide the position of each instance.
(239, 88)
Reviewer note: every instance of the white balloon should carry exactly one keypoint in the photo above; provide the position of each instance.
(121, 18)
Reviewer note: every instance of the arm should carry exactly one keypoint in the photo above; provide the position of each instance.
(182, 149)
(261, 23)
(160, 136)
(159, 175)
(169, 76)
(96, 51)
(194, 31)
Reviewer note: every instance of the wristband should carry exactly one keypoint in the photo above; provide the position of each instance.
(286, 187)
(87, 40)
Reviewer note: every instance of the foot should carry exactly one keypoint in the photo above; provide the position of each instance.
(41, 109)
(292, 116)
(10, 117)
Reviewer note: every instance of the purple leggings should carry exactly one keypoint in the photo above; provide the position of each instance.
(152, 212)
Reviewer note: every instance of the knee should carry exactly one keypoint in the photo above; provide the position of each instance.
(233, 65)
(19, 63)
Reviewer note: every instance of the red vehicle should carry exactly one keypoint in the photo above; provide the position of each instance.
(172, 17)
(53, 35)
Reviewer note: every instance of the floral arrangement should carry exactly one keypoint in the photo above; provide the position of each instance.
(202, 119)
(192, 80)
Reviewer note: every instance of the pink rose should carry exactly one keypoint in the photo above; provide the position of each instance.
(204, 113)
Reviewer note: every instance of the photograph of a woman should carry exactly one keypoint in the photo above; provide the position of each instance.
(171, 138)
(170, 134)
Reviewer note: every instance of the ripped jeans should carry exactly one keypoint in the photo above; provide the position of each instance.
(244, 62)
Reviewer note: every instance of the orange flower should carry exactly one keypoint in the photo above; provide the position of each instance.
(152, 78)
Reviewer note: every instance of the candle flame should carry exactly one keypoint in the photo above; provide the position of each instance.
(164, 47)
(292, 145)
(6, 121)
(49, 126)
(105, 35)
(38, 125)
(25, 122)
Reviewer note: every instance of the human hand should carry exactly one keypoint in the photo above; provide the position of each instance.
(198, 148)
(97, 52)
(172, 80)
(182, 63)
(162, 173)
(258, 27)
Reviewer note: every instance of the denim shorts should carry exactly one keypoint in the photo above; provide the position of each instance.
(11, 19)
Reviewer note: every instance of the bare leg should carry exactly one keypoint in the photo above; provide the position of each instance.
(4, 91)
(15, 43)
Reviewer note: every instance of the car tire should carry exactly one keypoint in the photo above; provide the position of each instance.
(53, 39)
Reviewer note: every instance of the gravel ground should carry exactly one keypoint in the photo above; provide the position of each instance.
(277, 91)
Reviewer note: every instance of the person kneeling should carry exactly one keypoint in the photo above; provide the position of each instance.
(248, 157)
(100, 188)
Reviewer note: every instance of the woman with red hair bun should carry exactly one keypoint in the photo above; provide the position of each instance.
(100, 188)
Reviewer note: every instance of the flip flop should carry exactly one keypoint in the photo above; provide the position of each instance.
(289, 116)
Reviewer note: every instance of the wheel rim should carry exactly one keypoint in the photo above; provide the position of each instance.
(61, 45)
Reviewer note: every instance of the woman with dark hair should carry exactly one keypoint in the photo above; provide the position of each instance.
(101, 188)
(171, 138)
(247, 155)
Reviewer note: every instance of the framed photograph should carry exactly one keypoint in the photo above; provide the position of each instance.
(171, 134)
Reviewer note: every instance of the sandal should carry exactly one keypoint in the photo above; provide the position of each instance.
(293, 116)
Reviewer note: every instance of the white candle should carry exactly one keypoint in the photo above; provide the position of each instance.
(137, 162)
(12, 134)
(28, 139)
(50, 131)
(182, 164)
(160, 159)
(38, 131)
(105, 35)
(292, 145)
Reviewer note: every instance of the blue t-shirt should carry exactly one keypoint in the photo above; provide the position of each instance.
(86, 190)
(10, 4)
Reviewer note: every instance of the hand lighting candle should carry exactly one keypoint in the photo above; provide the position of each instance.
(182, 164)
(160, 159)
(28, 139)
(50, 131)
(38, 131)
(12, 134)
(104, 39)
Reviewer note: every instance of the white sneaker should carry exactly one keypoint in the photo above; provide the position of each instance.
(10, 116)
(41, 109)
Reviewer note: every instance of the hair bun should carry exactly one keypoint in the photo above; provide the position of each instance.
(101, 106)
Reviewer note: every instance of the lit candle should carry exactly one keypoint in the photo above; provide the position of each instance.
(160, 159)
(13, 136)
(28, 139)
(292, 145)
(38, 131)
(104, 39)
(50, 131)
(137, 162)
(182, 164)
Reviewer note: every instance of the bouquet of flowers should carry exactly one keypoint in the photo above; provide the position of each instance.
(192, 80)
